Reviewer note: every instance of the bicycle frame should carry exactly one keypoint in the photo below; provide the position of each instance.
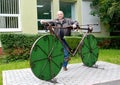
(47, 53)
(89, 30)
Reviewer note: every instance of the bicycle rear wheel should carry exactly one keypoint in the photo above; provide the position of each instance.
(89, 50)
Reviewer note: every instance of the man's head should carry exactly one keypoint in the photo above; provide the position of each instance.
(60, 15)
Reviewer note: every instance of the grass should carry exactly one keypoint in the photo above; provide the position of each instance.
(112, 56)
(108, 55)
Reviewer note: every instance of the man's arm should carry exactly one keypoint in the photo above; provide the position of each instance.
(73, 23)
(45, 22)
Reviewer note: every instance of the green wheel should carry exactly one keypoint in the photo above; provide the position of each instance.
(89, 50)
(46, 57)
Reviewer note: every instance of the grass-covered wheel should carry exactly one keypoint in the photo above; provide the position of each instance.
(46, 57)
(89, 50)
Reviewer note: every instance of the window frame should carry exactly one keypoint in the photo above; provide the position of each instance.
(38, 20)
(12, 15)
(43, 31)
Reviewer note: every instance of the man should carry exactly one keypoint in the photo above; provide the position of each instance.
(62, 22)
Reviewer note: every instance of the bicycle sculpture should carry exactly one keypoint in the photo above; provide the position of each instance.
(47, 56)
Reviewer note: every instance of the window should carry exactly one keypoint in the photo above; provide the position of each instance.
(9, 15)
(43, 11)
(68, 8)
(87, 18)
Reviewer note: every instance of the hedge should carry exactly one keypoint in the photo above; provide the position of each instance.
(72, 41)
(112, 42)
(17, 46)
(103, 42)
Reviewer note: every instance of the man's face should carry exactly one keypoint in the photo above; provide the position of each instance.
(60, 15)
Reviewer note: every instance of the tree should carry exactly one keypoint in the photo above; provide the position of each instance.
(108, 11)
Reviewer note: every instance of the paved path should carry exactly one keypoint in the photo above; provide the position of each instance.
(78, 74)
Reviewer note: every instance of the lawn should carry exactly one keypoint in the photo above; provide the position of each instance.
(109, 55)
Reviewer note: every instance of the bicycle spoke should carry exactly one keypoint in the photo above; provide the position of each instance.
(42, 70)
(42, 50)
(88, 41)
(39, 59)
(52, 49)
(55, 63)
(87, 46)
(51, 70)
(85, 53)
(57, 55)
(48, 44)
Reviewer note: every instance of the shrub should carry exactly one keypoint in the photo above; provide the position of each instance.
(73, 41)
(115, 42)
(103, 42)
(17, 46)
(109, 42)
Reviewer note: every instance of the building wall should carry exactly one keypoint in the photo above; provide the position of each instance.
(78, 16)
(54, 8)
(78, 9)
(103, 32)
(28, 11)
(99, 30)
(28, 16)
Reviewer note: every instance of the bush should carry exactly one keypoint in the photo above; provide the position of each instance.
(103, 42)
(72, 41)
(17, 46)
(109, 42)
(115, 42)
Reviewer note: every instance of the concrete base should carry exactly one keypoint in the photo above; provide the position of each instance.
(77, 74)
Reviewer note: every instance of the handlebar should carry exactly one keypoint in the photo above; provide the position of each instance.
(89, 27)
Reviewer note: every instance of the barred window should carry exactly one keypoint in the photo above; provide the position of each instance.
(9, 15)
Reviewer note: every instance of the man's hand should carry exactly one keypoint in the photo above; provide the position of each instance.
(74, 26)
(42, 21)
